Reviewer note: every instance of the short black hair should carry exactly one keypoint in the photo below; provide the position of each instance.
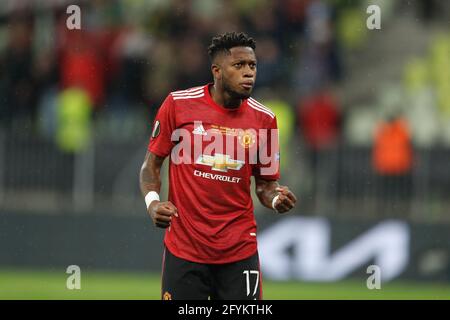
(226, 41)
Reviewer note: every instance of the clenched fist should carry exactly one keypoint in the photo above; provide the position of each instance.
(286, 199)
(162, 212)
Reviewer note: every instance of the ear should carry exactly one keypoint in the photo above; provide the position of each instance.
(216, 71)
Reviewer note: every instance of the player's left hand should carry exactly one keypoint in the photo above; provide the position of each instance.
(286, 199)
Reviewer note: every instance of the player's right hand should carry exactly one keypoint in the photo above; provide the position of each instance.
(162, 212)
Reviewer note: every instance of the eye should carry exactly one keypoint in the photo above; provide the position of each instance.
(252, 65)
(238, 65)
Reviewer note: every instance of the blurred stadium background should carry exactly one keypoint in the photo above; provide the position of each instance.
(365, 135)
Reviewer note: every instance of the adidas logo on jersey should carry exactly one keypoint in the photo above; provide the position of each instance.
(199, 129)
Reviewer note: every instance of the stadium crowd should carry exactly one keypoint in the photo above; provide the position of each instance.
(109, 78)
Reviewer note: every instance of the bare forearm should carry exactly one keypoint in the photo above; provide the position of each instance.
(149, 181)
(161, 212)
(150, 174)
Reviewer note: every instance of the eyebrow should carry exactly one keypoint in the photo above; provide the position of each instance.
(243, 60)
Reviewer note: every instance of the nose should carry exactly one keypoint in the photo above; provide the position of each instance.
(248, 72)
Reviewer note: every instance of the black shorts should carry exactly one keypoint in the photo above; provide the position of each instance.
(186, 280)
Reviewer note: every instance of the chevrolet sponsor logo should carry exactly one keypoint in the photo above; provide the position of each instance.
(220, 162)
(214, 176)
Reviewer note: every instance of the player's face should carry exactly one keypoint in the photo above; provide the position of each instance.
(239, 72)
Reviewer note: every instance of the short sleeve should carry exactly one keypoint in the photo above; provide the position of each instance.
(163, 126)
(268, 164)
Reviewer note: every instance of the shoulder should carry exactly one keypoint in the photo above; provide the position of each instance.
(261, 109)
(179, 101)
(191, 93)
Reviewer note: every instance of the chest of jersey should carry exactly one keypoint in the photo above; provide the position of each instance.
(220, 141)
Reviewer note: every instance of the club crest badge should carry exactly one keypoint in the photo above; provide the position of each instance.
(247, 138)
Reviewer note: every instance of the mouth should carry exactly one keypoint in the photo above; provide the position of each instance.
(247, 85)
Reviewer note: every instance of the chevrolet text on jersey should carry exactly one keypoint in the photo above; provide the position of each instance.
(217, 177)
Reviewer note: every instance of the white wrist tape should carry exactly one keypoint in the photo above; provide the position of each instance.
(150, 197)
(275, 200)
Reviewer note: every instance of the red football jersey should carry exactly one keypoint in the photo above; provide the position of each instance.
(213, 152)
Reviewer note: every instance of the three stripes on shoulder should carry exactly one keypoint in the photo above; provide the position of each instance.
(196, 92)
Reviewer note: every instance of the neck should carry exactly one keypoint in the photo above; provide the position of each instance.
(223, 98)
